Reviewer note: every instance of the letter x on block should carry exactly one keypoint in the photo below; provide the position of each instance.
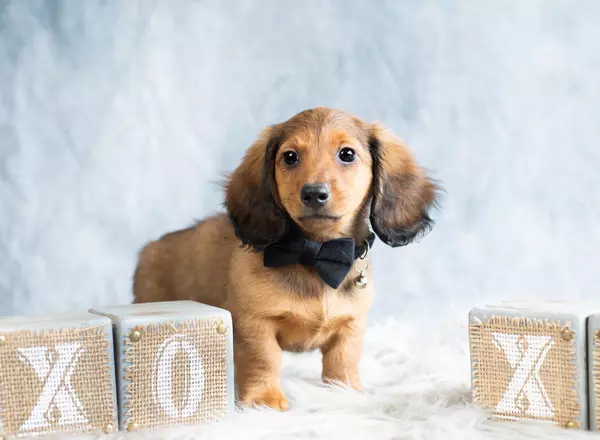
(57, 375)
(530, 362)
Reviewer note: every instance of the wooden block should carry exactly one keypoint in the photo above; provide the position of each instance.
(529, 361)
(594, 370)
(56, 375)
(174, 363)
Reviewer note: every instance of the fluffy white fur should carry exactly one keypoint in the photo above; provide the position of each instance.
(417, 381)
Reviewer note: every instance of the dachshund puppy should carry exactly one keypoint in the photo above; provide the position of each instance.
(279, 259)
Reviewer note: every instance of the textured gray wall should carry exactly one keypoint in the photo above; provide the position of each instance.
(117, 117)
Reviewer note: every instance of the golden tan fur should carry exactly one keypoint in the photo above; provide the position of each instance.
(290, 308)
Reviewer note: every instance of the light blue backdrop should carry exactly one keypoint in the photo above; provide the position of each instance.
(117, 117)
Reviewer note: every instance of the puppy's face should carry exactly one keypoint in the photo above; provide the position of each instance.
(329, 172)
(323, 172)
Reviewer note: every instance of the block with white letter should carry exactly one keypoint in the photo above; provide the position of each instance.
(174, 363)
(56, 375)
(529, 361)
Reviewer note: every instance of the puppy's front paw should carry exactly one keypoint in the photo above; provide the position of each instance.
(273, 398)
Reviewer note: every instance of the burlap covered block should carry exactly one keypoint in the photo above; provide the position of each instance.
(529, 361)
(174, 363)
(594, 370)
(56, 375)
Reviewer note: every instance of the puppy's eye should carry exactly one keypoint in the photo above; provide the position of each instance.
(347, 155)
(290, 158)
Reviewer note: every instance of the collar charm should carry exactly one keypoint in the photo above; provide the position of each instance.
(361, 280)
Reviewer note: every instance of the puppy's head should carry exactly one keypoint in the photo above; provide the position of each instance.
(328, 173)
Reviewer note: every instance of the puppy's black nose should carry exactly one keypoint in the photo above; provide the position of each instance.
(315, 195)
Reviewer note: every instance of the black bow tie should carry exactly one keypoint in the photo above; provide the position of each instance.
(332, 259)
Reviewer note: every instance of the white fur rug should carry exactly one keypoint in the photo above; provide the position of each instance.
(417, 382)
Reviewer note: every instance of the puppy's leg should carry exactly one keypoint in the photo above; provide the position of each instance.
(257, 364)
(341, 356)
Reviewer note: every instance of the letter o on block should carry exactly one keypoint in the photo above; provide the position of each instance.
(174, 363)
(162, 377)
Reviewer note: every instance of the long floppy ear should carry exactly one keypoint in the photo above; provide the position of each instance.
(250, 197)
(402, 193)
